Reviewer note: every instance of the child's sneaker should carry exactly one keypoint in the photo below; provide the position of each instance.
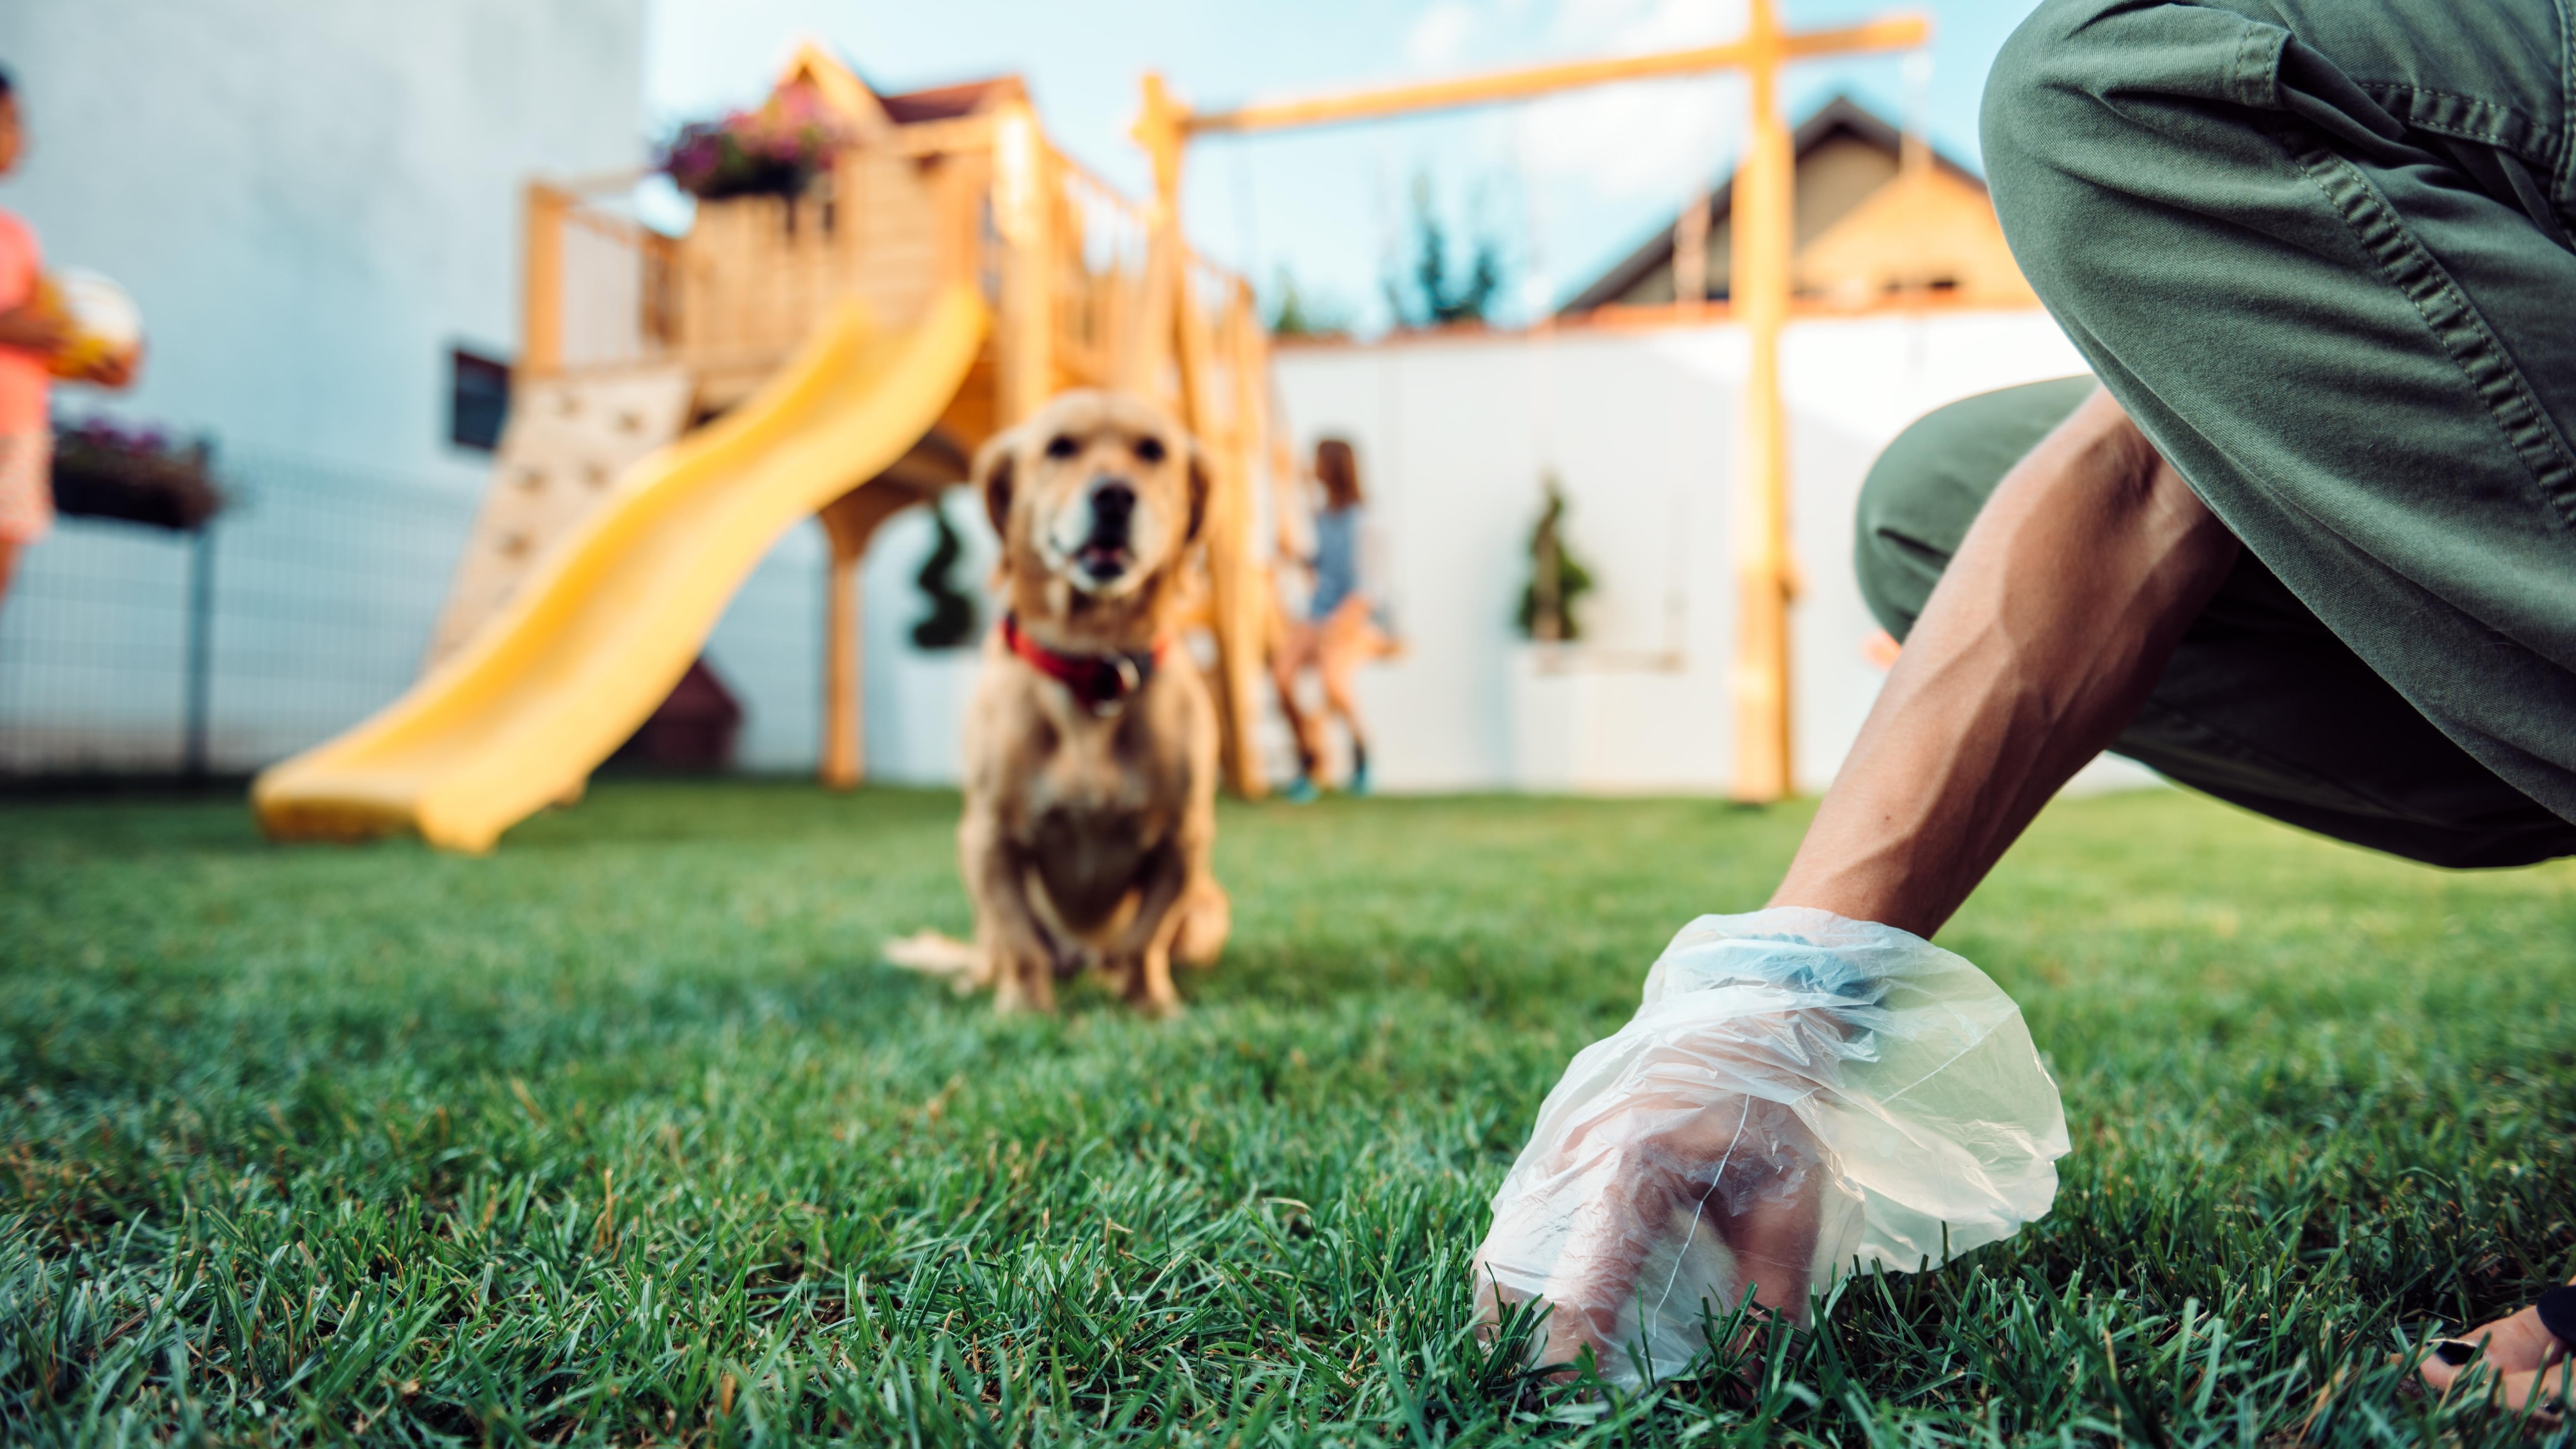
(1300, 791)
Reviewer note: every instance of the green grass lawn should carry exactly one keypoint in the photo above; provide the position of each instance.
(622, 1134)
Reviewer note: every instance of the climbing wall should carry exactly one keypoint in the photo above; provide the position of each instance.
(567, 441)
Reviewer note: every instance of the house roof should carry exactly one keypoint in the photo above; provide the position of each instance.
(946, 103)
(1841, 116)
(845, 90)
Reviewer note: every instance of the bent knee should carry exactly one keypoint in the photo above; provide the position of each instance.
(2033, 112)
(1927, 485)
(2098, 109)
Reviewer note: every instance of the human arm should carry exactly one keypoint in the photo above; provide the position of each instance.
(2043, 638)
(2045, 635)
(34, 327)
(114, 371)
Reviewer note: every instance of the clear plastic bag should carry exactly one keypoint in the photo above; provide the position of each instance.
(1798, 1094)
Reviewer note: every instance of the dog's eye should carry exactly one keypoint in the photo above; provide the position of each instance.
(1062, 445)
(1149, 450)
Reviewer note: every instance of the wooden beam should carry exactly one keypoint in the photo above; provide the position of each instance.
(1150, 332)
(1236, 581)
(1895, 32)
(1760, 290)
(849, 521)
(541, 281)
(1759, 297)
(844, 718)
(1023, 187)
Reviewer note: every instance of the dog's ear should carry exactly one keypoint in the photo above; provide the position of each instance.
(1198, 474)
(991, 476)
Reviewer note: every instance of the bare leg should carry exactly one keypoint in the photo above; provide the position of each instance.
(1286, 663)
(1343, 646)
(9, 549)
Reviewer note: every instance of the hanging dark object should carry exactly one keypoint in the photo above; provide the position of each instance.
(1558, 581)
(950, 624)
(139, 475)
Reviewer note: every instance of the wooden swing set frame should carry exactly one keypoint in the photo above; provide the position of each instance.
(1089, 289)
(1759, 291)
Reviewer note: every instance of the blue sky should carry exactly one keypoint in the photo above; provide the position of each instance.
(1566, 185)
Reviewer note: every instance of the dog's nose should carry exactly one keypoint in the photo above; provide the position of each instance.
(1112, 503)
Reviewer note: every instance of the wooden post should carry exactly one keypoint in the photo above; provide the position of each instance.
(844, 720)
(1022, 186)
(541, 281)
(1235, 577)
(1171, 326)
(1762, 223)
(849, 521)
(1158, 301)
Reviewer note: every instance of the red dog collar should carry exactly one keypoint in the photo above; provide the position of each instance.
(1100, 683)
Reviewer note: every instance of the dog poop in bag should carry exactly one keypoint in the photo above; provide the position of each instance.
(1799, 1095)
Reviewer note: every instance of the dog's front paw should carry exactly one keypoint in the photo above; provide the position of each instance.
(1024, 981)
(1207, 918)
(1146, 985)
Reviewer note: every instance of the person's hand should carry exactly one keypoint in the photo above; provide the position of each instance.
(1698, 1196)
(1797, 1092)
(35, 327)
(114, 372)
(2523, 1360)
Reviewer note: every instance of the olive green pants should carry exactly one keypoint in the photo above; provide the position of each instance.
(2261, 705)
(2319, 250)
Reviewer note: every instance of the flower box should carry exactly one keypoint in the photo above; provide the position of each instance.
(105, 470)
(776, 150)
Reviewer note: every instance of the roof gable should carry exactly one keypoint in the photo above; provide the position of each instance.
(871, 112)
(1839, 122)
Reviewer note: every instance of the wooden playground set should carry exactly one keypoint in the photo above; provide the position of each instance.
(681, 402)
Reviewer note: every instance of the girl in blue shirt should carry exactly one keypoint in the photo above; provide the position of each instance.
(1340, 631)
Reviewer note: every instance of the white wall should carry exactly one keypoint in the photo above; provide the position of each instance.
(1453, 438)
(313, 199)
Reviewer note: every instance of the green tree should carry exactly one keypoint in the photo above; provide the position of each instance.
(1558, 580)
(1299, 315)
(1431, 298)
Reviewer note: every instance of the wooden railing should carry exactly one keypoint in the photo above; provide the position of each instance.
(1088, 289)
(1061, 255)
(600, 288)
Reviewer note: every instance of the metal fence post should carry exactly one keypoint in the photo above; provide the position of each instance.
(201, 640)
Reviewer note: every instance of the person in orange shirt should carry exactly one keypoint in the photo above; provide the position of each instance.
(32, 335)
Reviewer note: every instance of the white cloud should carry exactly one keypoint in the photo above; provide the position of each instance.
(1644, 138)
(1628, 26)
(1440, 34)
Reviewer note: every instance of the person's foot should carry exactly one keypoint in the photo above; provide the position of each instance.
(1300, 791)
(1359, 770)
(2525, 1356)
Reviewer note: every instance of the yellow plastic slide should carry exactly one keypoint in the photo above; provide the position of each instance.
(608, 623)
